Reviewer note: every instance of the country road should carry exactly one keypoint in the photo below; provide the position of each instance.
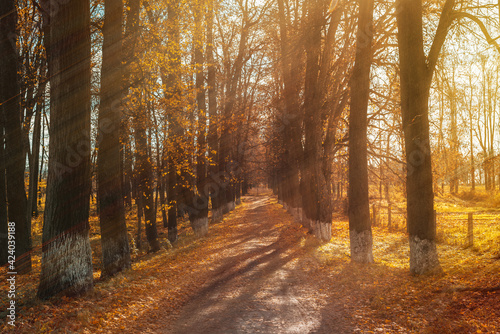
(260, 284)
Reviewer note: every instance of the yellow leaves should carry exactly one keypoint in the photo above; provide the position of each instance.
(333, 6)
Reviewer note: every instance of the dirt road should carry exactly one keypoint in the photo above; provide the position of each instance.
(261, 282)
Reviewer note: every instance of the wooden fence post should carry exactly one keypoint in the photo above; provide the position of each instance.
(389, 217)
(435, 220)
(470, 230)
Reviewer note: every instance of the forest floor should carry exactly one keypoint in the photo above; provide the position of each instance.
(260, 272)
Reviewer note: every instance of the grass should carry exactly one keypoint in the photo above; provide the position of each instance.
(390, 300)
(452, 216)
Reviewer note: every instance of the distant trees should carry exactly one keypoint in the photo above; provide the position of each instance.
(140, 120)
(311, 101)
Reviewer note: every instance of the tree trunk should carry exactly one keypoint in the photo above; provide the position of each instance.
(173, 94)
(244, 187)
(213, 138)
(129, 177)
(315, 197)
(67, 257)
(161, 185)
(360, 231)
(416, 76)
(471, 138)
(138, 203)
(292, 129)
(454, 145)
(114, 238)
(200, 201)
(14, 150)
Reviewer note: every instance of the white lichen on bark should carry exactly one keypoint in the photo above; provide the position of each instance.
(200, 227)
(322, 230)
(307, 223)
(296, 214)
(361, 246)
(216, 215)
(116, 255)
(67, 266)
(423, 256)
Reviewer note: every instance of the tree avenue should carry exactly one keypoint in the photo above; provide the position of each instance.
(123, 121)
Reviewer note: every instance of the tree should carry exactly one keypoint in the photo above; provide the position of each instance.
(213, 137)
(14, 148)
(417, 71)
(471, 138)
(200, 201)
(35, 161)
(67, 258)
(315, 195)
(292, 129)
(416, 75)
(359, 207)
(173, 93)
(114, 239)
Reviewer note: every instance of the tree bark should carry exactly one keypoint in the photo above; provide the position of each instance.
(360, 231)
(173, 94)
(200, 200)
(114, 238)
(67, 257)
(315, 197)
(292, 129)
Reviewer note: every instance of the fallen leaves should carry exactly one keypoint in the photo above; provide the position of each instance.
(381, 297)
